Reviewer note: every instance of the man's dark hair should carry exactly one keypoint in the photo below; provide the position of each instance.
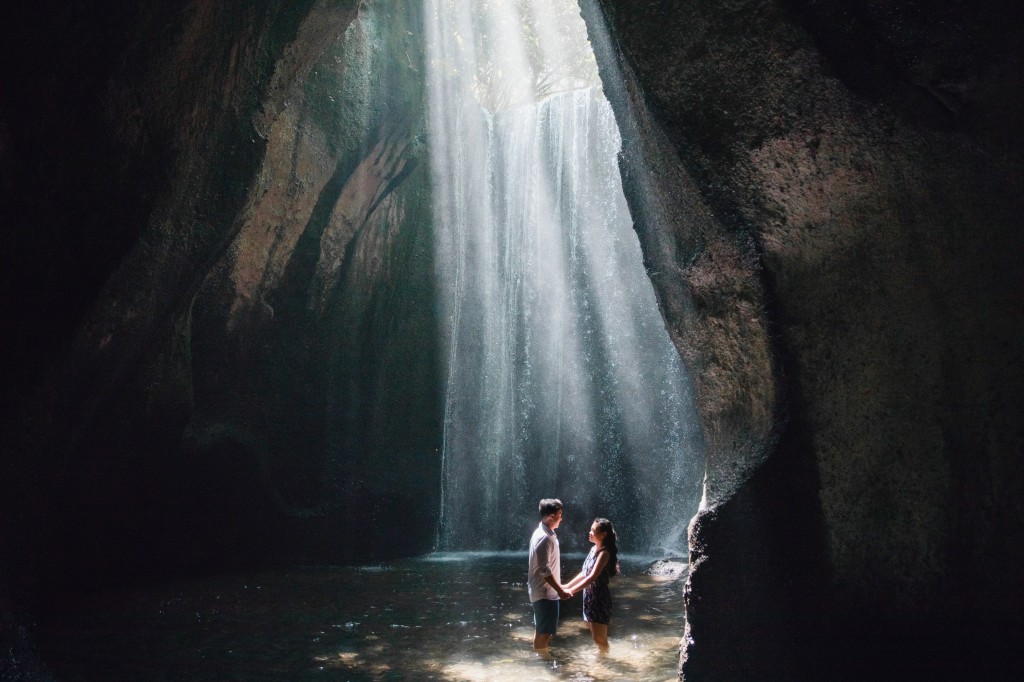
(549, 506)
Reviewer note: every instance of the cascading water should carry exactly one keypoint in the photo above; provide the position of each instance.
(561, 378)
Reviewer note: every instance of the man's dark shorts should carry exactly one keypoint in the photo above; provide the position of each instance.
(545, 616)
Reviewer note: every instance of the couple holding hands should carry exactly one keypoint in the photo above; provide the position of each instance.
(545, 587)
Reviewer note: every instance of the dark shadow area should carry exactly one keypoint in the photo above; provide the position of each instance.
(759, 576)
(74, 195)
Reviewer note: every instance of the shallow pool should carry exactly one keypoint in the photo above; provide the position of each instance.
(440, 617)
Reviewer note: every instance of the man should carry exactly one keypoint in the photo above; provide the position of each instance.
(545, 575)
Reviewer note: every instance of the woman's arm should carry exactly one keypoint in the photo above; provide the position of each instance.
(581, 581)
(571, 585)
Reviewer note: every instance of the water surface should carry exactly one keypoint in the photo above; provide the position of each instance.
(441, 617)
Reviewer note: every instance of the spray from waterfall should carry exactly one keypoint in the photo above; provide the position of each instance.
(561, 378)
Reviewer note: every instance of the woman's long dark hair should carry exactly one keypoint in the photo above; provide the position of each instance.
(611, 543)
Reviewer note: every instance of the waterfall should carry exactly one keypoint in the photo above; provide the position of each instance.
(561, 377)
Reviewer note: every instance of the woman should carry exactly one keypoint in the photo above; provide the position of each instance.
(600, 565)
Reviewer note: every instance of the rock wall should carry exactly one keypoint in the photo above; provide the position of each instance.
(313, 339)
(865, 153)
(274, 233)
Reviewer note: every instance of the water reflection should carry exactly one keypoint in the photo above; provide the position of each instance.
(447, 617)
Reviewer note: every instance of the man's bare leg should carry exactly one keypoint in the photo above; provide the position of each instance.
(540, 645)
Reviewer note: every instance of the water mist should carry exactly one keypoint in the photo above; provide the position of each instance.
(561, 380)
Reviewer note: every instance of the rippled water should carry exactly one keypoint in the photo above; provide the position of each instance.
(441, 617)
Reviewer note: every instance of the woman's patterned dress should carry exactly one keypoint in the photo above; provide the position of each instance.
(597, 598)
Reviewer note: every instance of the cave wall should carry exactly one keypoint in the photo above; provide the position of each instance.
(866, 152)
(313, 344)
(246, 371)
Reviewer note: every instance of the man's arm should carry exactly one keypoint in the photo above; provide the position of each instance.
(550, 580)
(543, 549)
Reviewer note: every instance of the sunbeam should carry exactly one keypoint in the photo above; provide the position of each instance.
(561, 379)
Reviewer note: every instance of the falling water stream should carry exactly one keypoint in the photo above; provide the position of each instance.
(561, 378)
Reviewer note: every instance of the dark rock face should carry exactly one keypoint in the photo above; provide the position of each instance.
(312, 343)
(218, 330)
(282, 237)
(865, 153)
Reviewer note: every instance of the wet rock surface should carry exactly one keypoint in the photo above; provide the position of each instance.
(668, 568)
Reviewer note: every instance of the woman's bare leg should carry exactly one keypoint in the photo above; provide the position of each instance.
(599, 631)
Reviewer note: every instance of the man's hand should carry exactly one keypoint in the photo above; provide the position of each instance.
(564, 594)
